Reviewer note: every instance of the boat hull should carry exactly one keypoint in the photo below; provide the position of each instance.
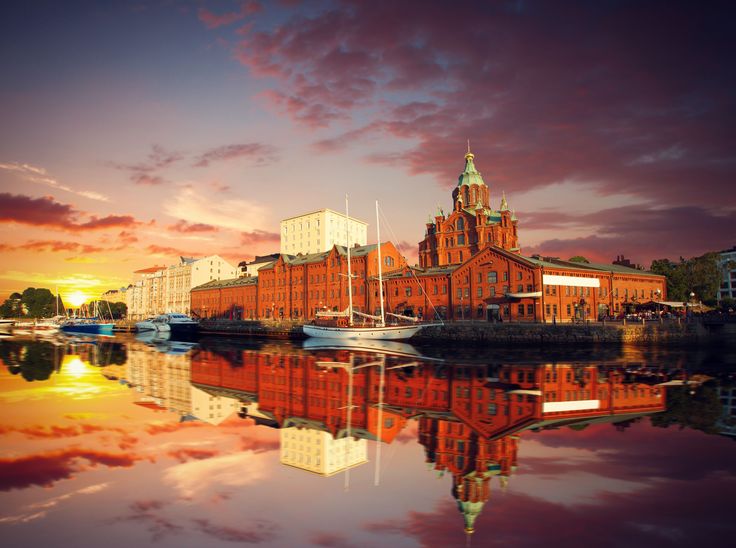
(91, 328)
(392, 332)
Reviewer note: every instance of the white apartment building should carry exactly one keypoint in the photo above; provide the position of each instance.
(318, 452)
(167, 289)
(727, 264)
(318, 231)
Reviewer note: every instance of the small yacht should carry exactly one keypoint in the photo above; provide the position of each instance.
(177, 324)
(146, 325)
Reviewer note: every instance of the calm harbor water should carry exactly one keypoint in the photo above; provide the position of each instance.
(124, 441)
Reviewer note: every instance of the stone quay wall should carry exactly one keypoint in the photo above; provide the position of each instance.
(503, 333)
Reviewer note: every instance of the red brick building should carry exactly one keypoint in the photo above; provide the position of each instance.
(470, 268)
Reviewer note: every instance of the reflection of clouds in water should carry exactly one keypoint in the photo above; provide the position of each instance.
(196, 477)
(31, 512)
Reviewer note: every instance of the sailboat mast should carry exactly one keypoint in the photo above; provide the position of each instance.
(380, 271)
(350, 274)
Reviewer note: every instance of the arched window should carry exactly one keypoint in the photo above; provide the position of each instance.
(461, 224)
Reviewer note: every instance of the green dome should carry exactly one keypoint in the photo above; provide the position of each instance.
(470, 176)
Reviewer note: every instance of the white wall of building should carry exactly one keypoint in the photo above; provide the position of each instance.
(169, 289)
(317, 451)
(318, 231)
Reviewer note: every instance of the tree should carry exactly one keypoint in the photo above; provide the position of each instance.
(578, 259)
(697, 408)
(699, 275)
(34, 303)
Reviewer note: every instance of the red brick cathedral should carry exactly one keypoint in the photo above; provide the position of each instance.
(472, 225)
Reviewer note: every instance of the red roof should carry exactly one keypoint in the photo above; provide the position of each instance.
(149, 270)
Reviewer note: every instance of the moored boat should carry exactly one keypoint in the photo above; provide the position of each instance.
(177, 324)
(340, 325)
(87, 325)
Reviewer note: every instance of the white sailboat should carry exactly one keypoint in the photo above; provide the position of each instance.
(378, 329)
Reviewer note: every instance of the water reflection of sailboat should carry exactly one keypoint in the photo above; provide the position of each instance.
(367, 345)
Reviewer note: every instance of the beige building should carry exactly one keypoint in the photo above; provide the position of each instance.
(318, 231)
(212, 408)
(317, 451)
(167, 289)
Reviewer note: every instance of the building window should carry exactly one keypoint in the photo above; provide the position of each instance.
(505, 276)
(461, 239)
(547, 310)
(554, 309)
(492, 277)
(521, 310)
(492, 291)
(568, 310)
(530, 310)
(407, 291)
(480, 291)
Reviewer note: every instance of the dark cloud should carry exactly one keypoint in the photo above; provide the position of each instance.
(34, 211)
(641, 233)
(167, 250)
(331, 540)
(260, 153)
(155, 429)
(654, 516)
(185, 227)
(149, 513)
(143, 173)
(260, 531)
(631, 97)
(257, 237)
(259, 446)
(213, 20)
(55, 246)
(45, 469)
(184, 454)
(47, 212)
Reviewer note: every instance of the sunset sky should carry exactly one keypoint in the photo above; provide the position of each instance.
(136, 132)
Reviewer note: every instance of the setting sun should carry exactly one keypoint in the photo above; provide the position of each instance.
(77, 298)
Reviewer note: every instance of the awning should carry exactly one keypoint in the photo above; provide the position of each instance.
(527, 295)
(673, 304)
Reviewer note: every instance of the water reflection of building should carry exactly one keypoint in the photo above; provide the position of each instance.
(163, 379)
(471, 418)
(310, 448)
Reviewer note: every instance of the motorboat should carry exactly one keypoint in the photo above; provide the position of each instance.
(146, 325)
(177, 324)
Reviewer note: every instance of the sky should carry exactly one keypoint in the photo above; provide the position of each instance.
(137, 132)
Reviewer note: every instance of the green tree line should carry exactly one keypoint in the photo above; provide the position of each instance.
(32, 303)
(698, 275)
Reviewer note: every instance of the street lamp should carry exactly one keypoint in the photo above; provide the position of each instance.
(658, 296)
(582, 309)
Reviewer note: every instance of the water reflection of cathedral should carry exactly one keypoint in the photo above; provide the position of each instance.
(471, 418)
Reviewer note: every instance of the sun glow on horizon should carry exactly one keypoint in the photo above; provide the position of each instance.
(76, 298)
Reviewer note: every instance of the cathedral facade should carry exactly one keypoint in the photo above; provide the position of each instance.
(472, 225)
